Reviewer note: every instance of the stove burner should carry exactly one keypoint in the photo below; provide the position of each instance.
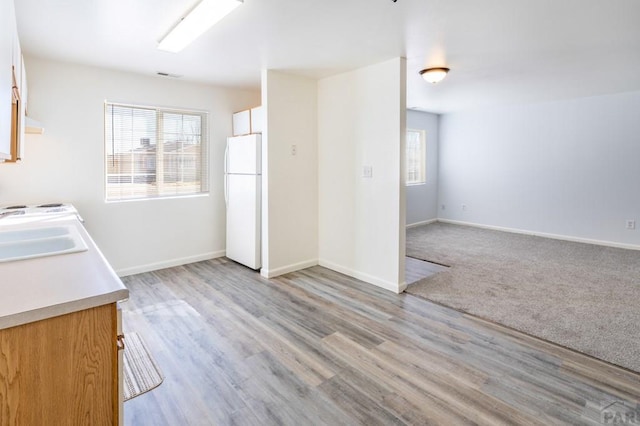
(50, 205)
(15, 207)
(13, 213)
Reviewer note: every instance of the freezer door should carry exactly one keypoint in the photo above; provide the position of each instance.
(243, 219)
(243, 155)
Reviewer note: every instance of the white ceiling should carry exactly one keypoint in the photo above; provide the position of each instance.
(499, 51)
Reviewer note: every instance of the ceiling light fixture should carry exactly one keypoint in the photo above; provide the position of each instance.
(434, 75)
(199, 20)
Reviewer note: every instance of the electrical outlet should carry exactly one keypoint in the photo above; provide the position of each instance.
(464, 207)
(443, 207)
(367, 171)
(631, 224)
(294, 149)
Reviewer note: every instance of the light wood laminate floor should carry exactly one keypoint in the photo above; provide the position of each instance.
(416, 269)
(315, 347)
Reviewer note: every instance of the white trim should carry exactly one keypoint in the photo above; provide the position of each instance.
(424, 222)
(270, 273)
(545, 235)
(169, 263)
(387, 285)
(167, 197)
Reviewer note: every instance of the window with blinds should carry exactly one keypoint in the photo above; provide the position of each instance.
(154, 152)
(416, 157)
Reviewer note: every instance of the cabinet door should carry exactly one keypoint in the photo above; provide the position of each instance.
(23, 110)
(119, 378)
(257, 119)
(242, 123)
(7, 28)
(62, 370)
(23, 86)
(16, 53)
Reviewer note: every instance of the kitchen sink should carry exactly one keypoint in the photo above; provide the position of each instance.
(38, 242)
(33, 234)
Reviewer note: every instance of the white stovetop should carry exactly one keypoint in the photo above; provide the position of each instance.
(25, 213)
(44, 287)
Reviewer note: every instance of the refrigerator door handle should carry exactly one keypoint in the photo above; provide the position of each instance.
(226, 185)
(226, 191)
(226, 157)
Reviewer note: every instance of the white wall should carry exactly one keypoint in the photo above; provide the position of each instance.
(362, 121)
(290, 182)
(67, 163)
(422, 200)
(569, 168)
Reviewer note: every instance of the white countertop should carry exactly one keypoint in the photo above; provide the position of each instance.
(45, 287)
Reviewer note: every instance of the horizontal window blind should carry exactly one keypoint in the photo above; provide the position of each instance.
(154, 152)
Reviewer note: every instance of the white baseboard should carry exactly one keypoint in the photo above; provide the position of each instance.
(544, 234)
(169, 263)
(270, 273)
(387, 285)
(424, 222)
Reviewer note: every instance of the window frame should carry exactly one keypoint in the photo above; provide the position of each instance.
(204, 144)
(423, 158)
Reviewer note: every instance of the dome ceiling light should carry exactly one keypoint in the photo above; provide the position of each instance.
(434, 75)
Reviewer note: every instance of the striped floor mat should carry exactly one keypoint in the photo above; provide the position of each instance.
(141, 373)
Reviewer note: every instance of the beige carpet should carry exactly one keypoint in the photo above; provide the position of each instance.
(141, 373)
(581, 296)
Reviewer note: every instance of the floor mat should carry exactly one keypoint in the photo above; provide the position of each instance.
(141, 373)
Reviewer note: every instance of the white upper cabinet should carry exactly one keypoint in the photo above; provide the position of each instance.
(7, 30)
(16, 55)
(13, 81)
(248, 121)
(23, 107)
(257, 119)
(242, 123)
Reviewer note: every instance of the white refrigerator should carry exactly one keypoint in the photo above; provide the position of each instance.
(243, 185)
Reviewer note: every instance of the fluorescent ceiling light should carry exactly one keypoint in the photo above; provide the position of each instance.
(199, 20)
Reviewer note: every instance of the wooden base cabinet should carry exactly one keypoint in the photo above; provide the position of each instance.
(62, 370)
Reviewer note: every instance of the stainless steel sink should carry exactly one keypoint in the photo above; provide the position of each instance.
(38, 242)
